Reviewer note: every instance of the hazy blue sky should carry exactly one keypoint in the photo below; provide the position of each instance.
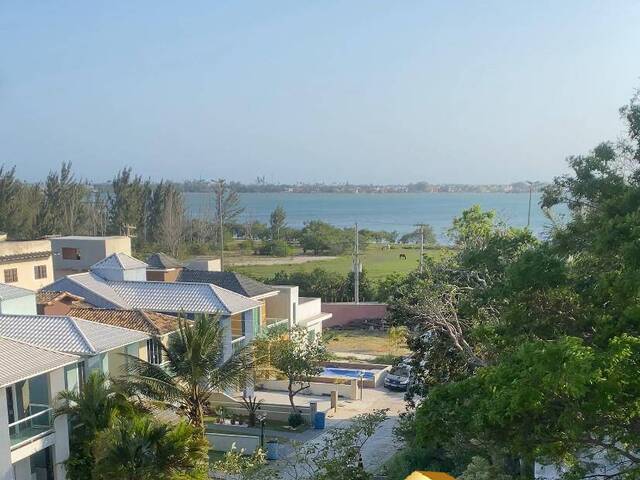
(371, 91)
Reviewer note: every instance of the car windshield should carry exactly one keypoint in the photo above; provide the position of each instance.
(400, 371)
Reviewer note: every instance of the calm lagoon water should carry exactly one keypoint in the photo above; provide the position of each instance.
(399, 212)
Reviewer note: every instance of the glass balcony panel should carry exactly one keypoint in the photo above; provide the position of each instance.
(39, 420)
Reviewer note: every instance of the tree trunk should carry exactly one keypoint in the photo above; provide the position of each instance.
(291, 395)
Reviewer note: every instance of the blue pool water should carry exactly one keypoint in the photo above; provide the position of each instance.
(346, 372)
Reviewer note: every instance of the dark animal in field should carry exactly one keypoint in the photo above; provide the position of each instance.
(403, 256)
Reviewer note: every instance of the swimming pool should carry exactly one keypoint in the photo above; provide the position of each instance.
(347, 373)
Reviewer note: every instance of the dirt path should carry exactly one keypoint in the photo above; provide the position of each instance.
(298, 259)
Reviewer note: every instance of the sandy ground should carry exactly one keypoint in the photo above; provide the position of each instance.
(243, 261)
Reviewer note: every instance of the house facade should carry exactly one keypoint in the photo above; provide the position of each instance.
(118, 282)
(26, 264)
(76, 253)
(279, 304)
(33, 444)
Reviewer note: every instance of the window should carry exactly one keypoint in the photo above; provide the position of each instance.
(40, 271)
(154, 352)
(11, 275)
(70, 253)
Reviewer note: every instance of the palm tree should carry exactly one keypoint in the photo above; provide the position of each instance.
(140, 448)
(90, 410)
(194, 371)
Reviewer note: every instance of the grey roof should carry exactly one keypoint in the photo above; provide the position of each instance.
(9, 291)
(93, 288)
(230, 280)
(20, 361)
(155, 296)
(162, 261)
(66, 334)
(119, 261)
(180, 296)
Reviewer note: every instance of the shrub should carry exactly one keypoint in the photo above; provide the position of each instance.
(295, 420)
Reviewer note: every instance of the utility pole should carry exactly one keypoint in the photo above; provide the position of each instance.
(421, 225)
(529, 213)
(220, 195)
(356, 268)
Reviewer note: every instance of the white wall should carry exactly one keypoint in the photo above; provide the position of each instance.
(282, 304)
(60, 425)
(25, 305)
(6, 470)
(224, 442)
(346, 391)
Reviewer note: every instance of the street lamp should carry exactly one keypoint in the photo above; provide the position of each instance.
(361, 376)
(529, 213)
(262, 417)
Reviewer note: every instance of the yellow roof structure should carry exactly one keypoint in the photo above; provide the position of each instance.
(430, 476)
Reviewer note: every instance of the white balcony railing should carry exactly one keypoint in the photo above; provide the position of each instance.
(38, 422)
(237, 343)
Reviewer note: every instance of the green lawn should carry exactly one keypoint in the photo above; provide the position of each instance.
(377, 262)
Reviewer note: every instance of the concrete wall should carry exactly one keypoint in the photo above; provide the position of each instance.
(91, 249)
(349, 390)
(25, 305)
(25, 268)
(224, 442)
(120, 275)
(170, 275)
(345, 313)
(205, 264)
(307, 308)
(284, 303)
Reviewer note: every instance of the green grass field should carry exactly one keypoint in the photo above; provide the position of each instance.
(377, 262)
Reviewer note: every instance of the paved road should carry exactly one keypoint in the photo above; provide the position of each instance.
(380, 447)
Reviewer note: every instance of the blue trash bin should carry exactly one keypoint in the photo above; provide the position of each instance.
(272, 450)
(318, 421)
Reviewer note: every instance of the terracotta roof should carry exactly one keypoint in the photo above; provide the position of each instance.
(48, 298)
(18, 257)
(162, 261)
(143, 321)
(230, 280)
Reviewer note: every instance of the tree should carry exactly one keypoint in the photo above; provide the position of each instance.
(19, 204)
(141, 448)
(416, 236)
(194, 371)
(397, 335)
(129, 204)
(228, 209)
(277, 222)
(91, 409)
(63, 209)
(172, 219)
(297, 357)
(321, 237)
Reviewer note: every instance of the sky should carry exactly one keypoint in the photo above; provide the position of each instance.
(313, 91)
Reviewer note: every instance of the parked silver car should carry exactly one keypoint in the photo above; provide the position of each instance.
(398, 378)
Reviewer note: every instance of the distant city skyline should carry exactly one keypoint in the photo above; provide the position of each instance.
(332, 92)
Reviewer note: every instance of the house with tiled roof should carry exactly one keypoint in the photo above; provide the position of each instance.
(158, 326)
(26, 264)
(43, 355)
(115, 283)
(279, 304)
(32, 440)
